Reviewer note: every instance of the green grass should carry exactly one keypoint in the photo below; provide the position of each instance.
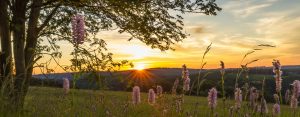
(50, 102)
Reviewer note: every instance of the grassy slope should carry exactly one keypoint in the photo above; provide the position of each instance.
(49, 102)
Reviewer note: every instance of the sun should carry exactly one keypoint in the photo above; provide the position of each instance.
(139, 66)
(137, 51)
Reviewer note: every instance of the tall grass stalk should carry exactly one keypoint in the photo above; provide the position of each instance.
(263, 106)
(223, 82)
(240, 71)
(199, 83)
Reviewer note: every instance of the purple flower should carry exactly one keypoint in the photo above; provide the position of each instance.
(294, 102)
(185, 72)
(78, 30)
(66, 85)
(276, 65)
(263, 108)
(174, 88)
(212, 98)
(185, 77)
(238, 98)
(186, 85)
(253, 96)
(278, 72)
(278, 83)
(276, 109)
(296, 88)
(136, 95)
(159, 90)
(151, 96)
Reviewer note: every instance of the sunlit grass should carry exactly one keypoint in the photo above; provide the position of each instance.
(50, 102)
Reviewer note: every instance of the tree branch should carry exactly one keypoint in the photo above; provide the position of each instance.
(49, 17)
(42, 5)
(189, 11)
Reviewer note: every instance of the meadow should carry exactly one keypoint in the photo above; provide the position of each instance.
(50, 102)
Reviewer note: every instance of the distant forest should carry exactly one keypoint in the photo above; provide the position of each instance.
(149, 78)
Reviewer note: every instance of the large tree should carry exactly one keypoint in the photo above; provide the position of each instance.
(25, 24)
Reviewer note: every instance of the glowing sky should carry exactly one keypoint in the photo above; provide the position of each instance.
(236, 30)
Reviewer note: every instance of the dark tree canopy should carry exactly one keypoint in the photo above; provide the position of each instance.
(150, 21)
(25, 24)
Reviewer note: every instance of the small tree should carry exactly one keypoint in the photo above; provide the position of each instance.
(24, 24)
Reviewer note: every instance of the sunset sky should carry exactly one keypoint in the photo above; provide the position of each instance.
(236, 30)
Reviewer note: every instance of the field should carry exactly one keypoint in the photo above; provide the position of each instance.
(50, 102)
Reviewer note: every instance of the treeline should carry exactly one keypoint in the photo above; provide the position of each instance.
(146, 79)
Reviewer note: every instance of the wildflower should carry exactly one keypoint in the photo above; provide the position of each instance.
(185, 72)
(78, 28)
(294, 102)
(276, 65)
(296, 92)
(66, 85)
(136, 95)
(159, 90)
(186, 85)
(276, 109)
(184, 69)
(296, 88)
(212, 98)
(151, 96)
(238, 98)
(264, 106)
(253, 96)
(287, 96)
(185, 77)
(278, 72)
(174, 88)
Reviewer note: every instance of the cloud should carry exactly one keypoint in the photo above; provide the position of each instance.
(237, 29)
(199, 30)
(246, 8)
(251, 10)
(281, 28)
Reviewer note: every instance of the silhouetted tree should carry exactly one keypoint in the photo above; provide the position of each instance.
(24, 24)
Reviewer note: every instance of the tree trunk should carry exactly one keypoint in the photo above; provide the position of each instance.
(18, 28)
(6, 56)
(31, 41)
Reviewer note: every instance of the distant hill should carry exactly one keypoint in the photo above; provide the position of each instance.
(149, 78)
(162, 72)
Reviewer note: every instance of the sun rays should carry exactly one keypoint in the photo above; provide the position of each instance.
(140, 76)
